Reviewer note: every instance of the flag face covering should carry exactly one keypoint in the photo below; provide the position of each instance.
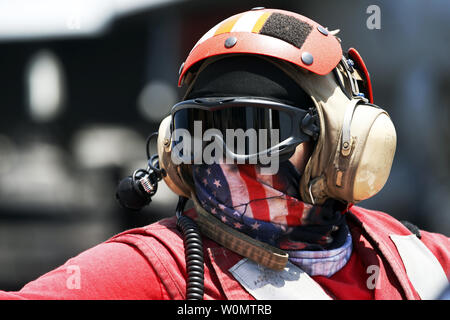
(267, 208)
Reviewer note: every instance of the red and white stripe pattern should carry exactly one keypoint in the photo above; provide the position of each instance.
(262, 194)
(251, 21)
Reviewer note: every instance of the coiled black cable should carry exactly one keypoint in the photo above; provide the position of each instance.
(193, 248)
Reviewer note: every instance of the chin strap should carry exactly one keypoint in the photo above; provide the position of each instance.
(261, 253)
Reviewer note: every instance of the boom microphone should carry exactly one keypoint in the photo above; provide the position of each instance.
(136, 191)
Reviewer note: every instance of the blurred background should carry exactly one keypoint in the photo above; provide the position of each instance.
(83, 83)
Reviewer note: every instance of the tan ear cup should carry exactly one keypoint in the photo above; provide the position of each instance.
(362, 161)
(376, 159)
(171, 177)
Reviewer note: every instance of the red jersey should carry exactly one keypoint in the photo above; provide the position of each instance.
(149, 263)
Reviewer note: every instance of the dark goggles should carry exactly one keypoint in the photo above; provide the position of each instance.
(279, 127)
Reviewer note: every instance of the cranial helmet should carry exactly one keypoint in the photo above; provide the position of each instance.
(354, 140)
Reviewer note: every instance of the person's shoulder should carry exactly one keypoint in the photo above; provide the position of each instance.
(381, 223)
(169, 223)
(155, 229)
(160, 240)
(377, 219)
(370, 213)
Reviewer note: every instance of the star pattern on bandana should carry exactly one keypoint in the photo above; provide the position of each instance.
(214, 199)
(237, 210)
(217, 183)
(237, 225)
(255, 226)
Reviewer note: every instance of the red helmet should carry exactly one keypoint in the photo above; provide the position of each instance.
(275, 33)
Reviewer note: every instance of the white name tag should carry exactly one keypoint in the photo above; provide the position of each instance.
(423, 269)
(263, 283)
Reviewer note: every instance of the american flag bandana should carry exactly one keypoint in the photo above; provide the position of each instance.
(268, 209)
